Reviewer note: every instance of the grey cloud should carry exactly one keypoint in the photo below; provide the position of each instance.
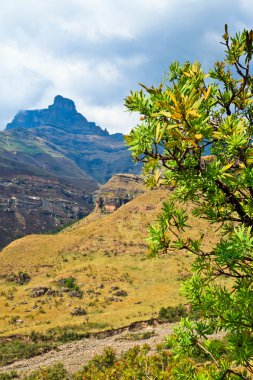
(96, 51)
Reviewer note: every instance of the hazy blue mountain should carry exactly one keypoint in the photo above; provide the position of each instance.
(59, 138)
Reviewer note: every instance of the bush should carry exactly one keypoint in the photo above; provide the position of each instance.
(70, 283)
(9, 376)
(55, 372)
(172, 313)
(136, 363)
(138, 336)
(19, 278)
(17, 349)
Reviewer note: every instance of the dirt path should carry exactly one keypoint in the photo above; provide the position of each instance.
(75, 354)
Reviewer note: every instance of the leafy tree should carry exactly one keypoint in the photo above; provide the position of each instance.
(195, 135)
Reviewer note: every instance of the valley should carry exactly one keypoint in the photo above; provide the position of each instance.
(51, 162)
(94, 272)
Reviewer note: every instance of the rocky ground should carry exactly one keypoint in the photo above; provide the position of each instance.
(75, 354)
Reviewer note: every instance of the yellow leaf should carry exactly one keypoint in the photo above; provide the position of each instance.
(157, 176)
(164, 113)
(197, 104)
(207, 93)
(250, 160)
(230, 176)
(157, 131)
(177, 134)
(193, 113)
(193, 143)
(173, 99)
(176, 116)
(159, 135)
(228, 166)
(198, 136)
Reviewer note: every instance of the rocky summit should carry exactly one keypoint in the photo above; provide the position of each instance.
(58, 151)
(61, 114)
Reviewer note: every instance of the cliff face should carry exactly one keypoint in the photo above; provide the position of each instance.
(120, 189)
(31, 204)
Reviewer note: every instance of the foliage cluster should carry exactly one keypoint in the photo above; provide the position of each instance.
(172, 314)
(190, 114)
(69, 283)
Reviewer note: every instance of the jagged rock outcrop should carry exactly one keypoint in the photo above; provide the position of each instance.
(120, 189)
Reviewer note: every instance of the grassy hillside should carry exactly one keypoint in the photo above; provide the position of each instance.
(106, 257)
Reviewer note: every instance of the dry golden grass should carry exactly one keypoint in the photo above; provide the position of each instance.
(100, 252)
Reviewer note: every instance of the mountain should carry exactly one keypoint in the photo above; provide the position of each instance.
(61, 114)
(51, 161)
(45, 138)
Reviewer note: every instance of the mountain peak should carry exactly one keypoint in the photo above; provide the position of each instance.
(61, 114)
(62, 103)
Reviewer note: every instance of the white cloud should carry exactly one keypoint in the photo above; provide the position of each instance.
(95, 51)
(114, 118)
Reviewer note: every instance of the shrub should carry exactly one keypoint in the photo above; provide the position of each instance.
(17, 349)
(55, 372)
(19, 278)
(172, 313)
(9, 375)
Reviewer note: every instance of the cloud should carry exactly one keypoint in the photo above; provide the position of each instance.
(96, 51)
(114, 118)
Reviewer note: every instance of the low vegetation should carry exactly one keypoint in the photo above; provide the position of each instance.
(19, 278)
(172, 314)
(17, 349)
(137, 363)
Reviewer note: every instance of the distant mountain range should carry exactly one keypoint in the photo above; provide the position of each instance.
(50, 157)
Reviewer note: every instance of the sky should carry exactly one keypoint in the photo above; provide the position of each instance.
(95, 51)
